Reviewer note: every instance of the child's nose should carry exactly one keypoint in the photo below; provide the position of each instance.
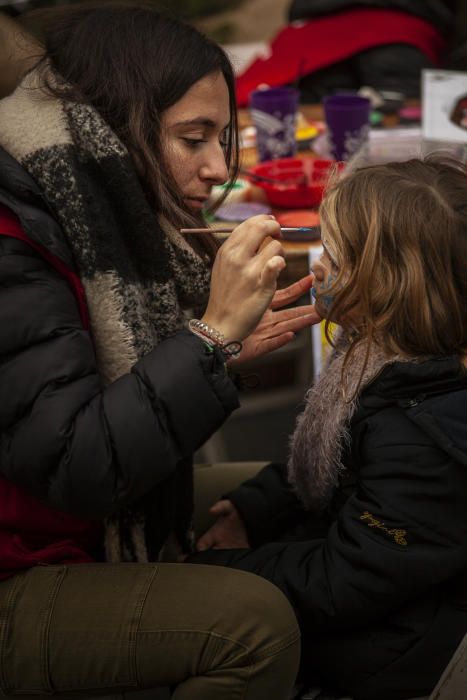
(318, 270)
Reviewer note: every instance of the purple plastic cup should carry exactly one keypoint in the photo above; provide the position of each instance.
(348, 122)
(274, 114)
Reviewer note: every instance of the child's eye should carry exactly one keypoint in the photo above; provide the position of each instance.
(326, 255)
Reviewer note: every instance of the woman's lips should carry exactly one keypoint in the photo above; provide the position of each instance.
(196, 202)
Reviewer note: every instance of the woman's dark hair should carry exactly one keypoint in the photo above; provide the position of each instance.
(132, 63)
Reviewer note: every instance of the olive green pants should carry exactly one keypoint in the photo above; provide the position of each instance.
(106, 629)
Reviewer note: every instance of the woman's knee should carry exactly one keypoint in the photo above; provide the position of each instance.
(264, 642)
(216, 618)
(262, 615)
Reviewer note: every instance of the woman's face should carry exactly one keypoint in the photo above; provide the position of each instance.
(194, 132)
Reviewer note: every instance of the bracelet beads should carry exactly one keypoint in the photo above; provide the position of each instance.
(214, 337)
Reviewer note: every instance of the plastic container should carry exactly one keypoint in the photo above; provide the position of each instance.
(293, 183)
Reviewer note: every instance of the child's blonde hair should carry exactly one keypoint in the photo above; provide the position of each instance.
(399, 235)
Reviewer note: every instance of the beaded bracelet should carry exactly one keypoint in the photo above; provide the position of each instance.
(215, 338)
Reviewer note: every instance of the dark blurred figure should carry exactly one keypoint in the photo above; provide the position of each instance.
(14, 8)
(394, 67)
(457, 57)
(335, 45)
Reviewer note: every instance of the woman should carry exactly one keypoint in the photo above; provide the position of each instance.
(109, 145)
(370, 544)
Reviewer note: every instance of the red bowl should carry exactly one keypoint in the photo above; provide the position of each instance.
(298, 182)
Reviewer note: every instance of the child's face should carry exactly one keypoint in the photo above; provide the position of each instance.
(325, 271)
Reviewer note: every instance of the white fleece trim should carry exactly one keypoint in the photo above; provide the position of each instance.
(28, 111)
(117, 356)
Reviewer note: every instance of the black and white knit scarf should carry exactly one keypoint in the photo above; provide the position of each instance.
(138, 273)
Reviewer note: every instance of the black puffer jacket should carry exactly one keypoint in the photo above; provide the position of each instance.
(75, 446)
(380, 581)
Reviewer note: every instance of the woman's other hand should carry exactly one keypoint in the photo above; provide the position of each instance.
(244, 277)
(228, 532)
(277, 328)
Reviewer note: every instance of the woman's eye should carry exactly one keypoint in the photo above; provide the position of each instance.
(193, 143)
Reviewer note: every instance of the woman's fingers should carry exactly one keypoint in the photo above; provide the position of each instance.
(270, 261)
(276, 335)
(276, 342)
(251, 234)
(290, 294)
(293, 319)
(267, 258)
(244, 282)
(271, 272)
(292, 312)
(296, 323)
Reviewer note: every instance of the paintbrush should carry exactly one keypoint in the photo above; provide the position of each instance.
(312, 231)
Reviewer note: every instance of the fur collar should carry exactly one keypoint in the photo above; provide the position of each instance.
(322, 433)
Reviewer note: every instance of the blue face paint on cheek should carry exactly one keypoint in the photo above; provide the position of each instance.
(326, 300)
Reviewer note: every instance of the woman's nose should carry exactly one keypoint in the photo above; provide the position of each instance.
(215, 170)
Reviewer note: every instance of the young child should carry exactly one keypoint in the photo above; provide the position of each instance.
(369, 544)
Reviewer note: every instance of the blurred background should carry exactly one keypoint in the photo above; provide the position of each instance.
(226, 21)
(252, 25)
(239, 21)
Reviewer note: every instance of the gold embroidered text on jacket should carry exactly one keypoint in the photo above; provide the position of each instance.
(398, 534)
